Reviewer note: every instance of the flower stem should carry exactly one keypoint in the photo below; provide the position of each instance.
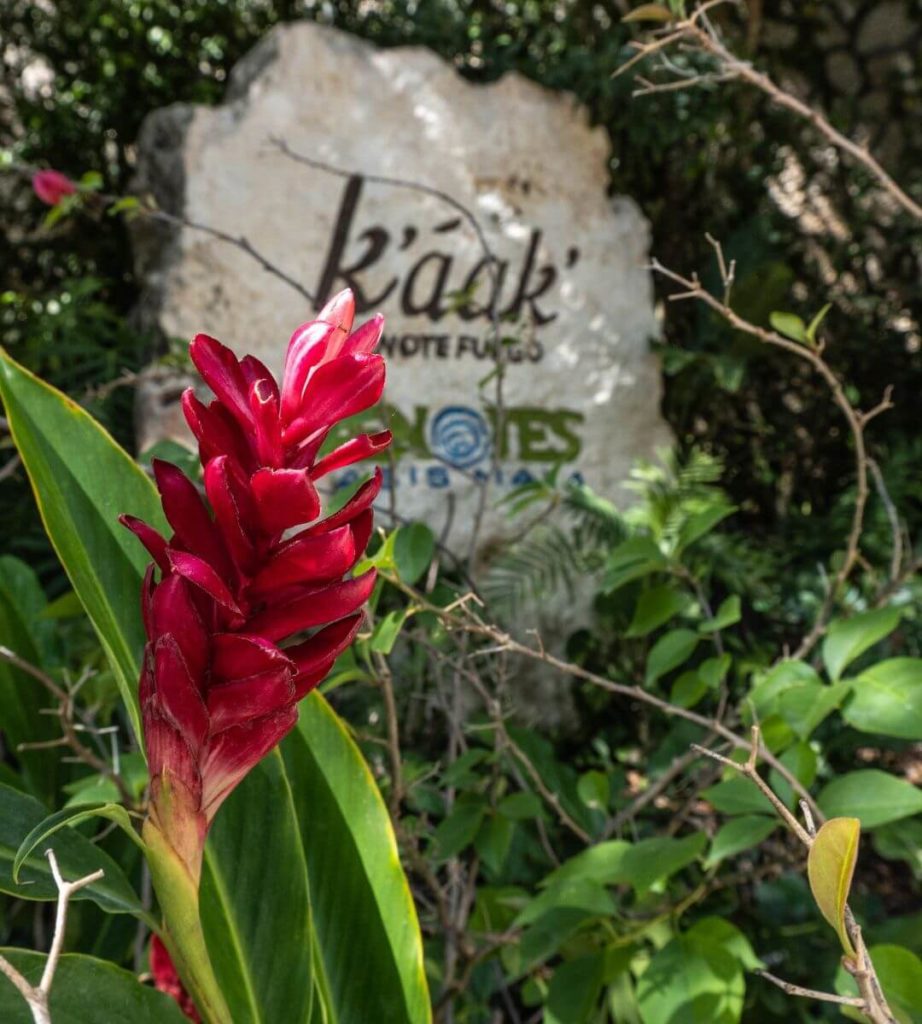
(177, 892)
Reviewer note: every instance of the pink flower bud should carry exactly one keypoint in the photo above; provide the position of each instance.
(52, 186)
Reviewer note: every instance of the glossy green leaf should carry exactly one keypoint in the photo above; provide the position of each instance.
(493, 840)
(82, 481)
(899, 971)
(77, 857)
(593, 790)
(520, 806)
(698, 977)
(601, 863)
(368, 934)
(872, 796)
(728, 614)
(655, 607)
(790, 325)
(255, 901)
(68, 818)
(574, 990)
(414, 547)
(630, 560)
(86, 991)
(815, 323)
(585, 895)
(847, 639)
(654, 860)
(738, 835)
(737, 795)
(671, 650)
(830, 868)
(901, 840)
(887, 699)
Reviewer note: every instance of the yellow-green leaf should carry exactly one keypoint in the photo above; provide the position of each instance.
(650, 12)
(830, 867)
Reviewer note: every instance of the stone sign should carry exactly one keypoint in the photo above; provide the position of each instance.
(568, 293)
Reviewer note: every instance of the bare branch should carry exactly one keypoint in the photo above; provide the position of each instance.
(37, 996)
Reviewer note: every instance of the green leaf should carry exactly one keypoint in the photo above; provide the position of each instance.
(649, 12)
(68, 818)
(493, 841)
(655, 607)
(86, 991)
(901, 840)
(830, 868)
(697, 978)
(790, 325)
(671, 650)
(574, 990)
(814, 324)
(24, 632)
(414, 546)
(593, 790)
(520, 806)
(899, 971)
(77, 857)
(846, 639)
(630, 560)
(582, 894)
(387, 631)
(728, 614)
(255, 902)
(688, 689)
(696, 526)
(739, 835)
(887, 699)
(793, 691)
(654, 860)
(737, 795)
(872, 796)
(601, 864)
(82, 481)
(456, 832)
(367, 930)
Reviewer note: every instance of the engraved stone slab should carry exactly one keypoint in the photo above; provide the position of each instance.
(567, 294)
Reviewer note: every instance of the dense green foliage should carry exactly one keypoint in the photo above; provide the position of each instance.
(545, 890)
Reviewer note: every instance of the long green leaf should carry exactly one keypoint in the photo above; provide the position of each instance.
(76, 856)
(22, 698)
(82, 480)
(366, 922)
(255, 902)
(86, 991)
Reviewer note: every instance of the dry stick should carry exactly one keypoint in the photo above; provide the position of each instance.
(65, 714)
(37, 996)
(504, 642)
(811, 993)
(872, 1001)
(856, 420)
(707, 41)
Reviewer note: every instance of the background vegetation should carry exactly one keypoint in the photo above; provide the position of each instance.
(756, 434)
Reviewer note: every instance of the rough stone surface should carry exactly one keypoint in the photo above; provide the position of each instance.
(581, 387)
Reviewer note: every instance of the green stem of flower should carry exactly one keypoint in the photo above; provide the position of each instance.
(177, 892)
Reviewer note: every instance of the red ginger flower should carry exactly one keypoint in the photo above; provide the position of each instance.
(218, 691)
(166, 979)
(52, 186)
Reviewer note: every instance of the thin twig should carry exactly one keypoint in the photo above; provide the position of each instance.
(37, 996)
(65, 713)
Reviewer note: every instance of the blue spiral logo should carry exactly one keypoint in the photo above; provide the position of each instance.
(460, 436)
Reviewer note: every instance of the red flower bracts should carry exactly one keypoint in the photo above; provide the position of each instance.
(166, 979)
(237, 580)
